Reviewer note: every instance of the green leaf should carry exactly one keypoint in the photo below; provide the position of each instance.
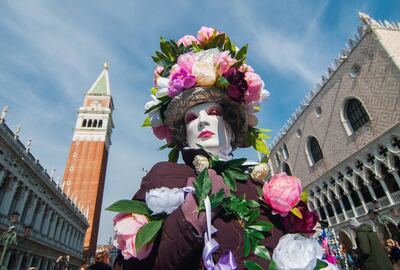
(202, 187)
(174, 154)
(262, 226)
(264, 130)
(153, 90)
(255, 213)
(196, 47)
(273, 266)
(320, 265)
(295, 211)
(235, 162)
(166, 49)
(168, 145)
(242, 52)
(217, 198)
(262, 252)
(229, 181)
(256, 234)
(222, 82)
(253, 204)
(129, 206)
(246, 244)
(147, 233)
(261, 146)
(146, 122)
(236, 174)
(218, 41)
(260, 192)
(250, 265)
(304, 196)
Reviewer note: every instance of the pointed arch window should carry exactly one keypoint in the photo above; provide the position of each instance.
(356, 114)
(285, 151)
(100, 123)
(90, 123)
(95, 123)
(84, 123)
(313, 151)
(286, 168)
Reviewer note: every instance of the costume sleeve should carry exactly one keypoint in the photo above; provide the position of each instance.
(177, 247)
(364, 245)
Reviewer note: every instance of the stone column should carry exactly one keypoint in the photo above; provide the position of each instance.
(395, 175)
(31, 210)
(20, 257)
(7, 257)
(364, 205)
(385, 188)
(22, 201)
(29, 261)
(343, 209)
(46, 222)
(45, 264)
(59, 228)
(3, 175)
(53, 225)
(334, 212)
(351, 204)
(8, 197)
(39, 263)
(39, 217)
(326, 214)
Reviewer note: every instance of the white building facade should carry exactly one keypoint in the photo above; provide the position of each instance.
(58, 225)
(343, 141)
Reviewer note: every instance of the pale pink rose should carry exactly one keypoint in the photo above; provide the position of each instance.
(186, 61)
(205, 34)
(255, 84)
(187, 40)
(282, 193)
(163, 132)
(245, 67)
(157, 73)
(224, 62)
(126, 227)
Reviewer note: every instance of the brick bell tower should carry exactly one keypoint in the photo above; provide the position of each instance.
(86, 166)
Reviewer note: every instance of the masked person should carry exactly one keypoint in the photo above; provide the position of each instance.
(203, 105)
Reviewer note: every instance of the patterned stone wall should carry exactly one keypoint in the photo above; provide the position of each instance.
(377, 87)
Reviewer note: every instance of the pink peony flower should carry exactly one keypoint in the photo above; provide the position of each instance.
(187, 40)
(180, 81)
(331, 259)
(245, 67)
(282, 193)
(126, 227)
(157, 73)
(205, 34)
(255, 84)
(163, 132)
(186, 61)
(224, 62)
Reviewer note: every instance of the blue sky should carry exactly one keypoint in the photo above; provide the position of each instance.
(52, 51)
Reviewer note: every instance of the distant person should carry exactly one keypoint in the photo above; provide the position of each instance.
(371, 253)
(102, 262)
(394, 250)
(61, 263)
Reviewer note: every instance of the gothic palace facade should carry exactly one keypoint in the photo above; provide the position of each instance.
(343, 141)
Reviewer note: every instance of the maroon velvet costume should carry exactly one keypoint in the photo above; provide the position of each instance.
(178, 246)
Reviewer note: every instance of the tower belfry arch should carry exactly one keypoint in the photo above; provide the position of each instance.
(85, 170)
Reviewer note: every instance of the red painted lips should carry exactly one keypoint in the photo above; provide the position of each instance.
(206, 134)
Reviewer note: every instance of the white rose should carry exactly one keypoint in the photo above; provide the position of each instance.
(164, 199)
(205, 73)
(260, 171)
(296, 252)
(155, 117)
(207, 56)
(162, 85)
(200, 163)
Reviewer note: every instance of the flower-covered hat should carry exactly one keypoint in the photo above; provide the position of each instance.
(208, 68)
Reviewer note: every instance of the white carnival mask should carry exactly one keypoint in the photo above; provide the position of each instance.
(205, 126)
